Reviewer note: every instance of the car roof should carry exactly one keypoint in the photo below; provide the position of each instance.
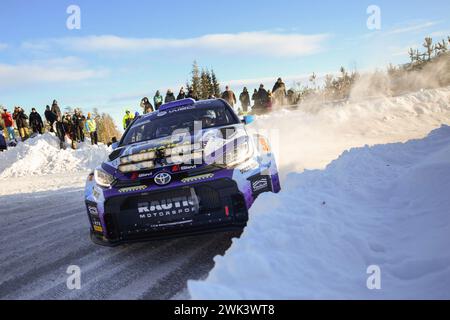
(182, 104)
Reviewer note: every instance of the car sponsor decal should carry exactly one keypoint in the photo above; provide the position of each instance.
(198, 178)
(260, 183)
(144, 175)
(131, 189)
(168, 207)
(188, 167)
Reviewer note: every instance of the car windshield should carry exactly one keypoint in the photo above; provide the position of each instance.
(175, 120)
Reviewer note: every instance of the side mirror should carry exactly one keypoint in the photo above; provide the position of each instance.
(115, 145)
(248, 119)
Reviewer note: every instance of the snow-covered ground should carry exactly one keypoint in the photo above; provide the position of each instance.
(383, 205)
(386, 205)
(38, 164)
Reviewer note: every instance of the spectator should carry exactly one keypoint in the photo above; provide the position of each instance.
(127, 119)
(191, 94)
(229, 96)
(158, 100)
(169, 96)
(36, 121)
(181, 94)
(279, 92)
(91, 128)
(78, 121)
(262, 100)
(3, 145)
(21, 121)
(50, 117)
(71, 129)
(9, 124)
(244, 98)
(255, 97)
(146, 105)
(56, 110)
(61, 134)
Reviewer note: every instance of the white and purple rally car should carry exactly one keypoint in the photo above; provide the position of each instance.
(188, 168)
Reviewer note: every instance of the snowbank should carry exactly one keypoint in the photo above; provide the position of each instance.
(42, 156)
(312, 136)
(386, 205)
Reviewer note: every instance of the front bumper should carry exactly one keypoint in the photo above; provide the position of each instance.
(221, 207)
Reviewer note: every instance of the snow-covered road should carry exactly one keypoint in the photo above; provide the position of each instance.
(43, 233)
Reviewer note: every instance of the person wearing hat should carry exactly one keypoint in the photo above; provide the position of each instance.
(169, 96)
(244, 98)
(279, 92)
(36, 123)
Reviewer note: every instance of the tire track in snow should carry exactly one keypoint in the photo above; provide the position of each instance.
(37, 248)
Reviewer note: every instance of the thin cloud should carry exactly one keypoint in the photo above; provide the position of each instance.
(68, 69)
(245, 43)
(3, 46)
(413, 28)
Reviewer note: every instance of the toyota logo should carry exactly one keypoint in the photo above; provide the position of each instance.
(162, 178)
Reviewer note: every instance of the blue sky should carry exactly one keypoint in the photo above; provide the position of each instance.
(128, 49)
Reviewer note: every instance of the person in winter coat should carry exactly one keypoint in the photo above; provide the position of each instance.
(61, 134)
(50, 117)
(169, 96)
(91, 128)
(181, 94)
(229, 96)
(3, 145)
(255, 97)
(158, 100)
(244, 98)
(70, 129)
(56, 110)
(21, 121)
(36, 123)
(191, 94)
(127, 119)
(279, 92)
(262, 100)
(146, 105)
(9, 124)
(78, 121)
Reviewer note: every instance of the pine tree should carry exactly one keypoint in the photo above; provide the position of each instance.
(215, 85)
(204, 85)
(195, 80)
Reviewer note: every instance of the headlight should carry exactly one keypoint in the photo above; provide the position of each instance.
(187, 154)
(102, 178)
(137, 166)
(241, 153)
(182, 149)
(138, 157)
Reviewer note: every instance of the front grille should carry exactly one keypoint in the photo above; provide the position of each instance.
(208, 197)
(123, 218)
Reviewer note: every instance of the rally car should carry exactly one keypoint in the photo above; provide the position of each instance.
(188, 168)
